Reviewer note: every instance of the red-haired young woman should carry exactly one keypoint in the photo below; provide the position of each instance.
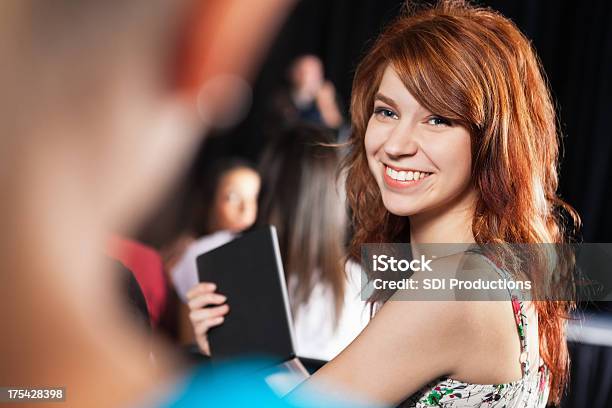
(454, 141)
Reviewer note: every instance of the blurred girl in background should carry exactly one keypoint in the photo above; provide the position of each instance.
(229, 197)
(300, 196)
(228, 205)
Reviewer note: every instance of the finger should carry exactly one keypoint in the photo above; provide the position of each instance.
(206, 299)
(202, 327)
(199, 315)
(201, 288)
(216, 321)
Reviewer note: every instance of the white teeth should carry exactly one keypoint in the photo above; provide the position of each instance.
(405, 175)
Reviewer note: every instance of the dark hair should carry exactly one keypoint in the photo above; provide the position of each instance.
(208, 188)
(300, 196)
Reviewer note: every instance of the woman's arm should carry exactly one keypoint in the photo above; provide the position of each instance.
(406, 345)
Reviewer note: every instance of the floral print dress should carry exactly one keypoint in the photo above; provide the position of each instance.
(530, 391)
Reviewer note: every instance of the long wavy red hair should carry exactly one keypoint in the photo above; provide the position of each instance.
(474, 67)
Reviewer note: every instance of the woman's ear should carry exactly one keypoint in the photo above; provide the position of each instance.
(224, 38)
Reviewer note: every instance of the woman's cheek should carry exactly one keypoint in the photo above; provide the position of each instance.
(371, 157)
(374, 139)
(453, 160)
(461, 161)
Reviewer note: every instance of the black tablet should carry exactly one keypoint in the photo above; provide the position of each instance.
(249, 271)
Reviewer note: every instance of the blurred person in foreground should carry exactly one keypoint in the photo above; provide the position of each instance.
(102, 105)
(301, 197)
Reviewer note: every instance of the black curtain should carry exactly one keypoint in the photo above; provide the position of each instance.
(574, 41)
(591, 377)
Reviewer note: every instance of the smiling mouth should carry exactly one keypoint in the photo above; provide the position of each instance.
(405, 175)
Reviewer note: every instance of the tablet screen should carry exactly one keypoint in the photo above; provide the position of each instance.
(249, 271)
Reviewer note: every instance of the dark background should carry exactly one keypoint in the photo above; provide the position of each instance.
(573, 40)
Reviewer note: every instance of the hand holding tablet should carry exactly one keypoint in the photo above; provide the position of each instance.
(206, 309)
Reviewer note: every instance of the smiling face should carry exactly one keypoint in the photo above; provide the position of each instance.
(421, 161)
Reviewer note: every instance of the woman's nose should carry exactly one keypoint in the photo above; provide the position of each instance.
(401, 142)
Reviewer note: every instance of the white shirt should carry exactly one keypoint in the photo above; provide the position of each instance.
(315, 335)
(185, 273)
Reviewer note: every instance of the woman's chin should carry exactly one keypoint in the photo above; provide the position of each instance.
(401, 209)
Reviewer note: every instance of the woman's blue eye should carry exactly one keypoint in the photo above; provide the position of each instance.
(438, 121)
(387, 113)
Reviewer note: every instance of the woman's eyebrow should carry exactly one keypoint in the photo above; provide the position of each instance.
(386, 100)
